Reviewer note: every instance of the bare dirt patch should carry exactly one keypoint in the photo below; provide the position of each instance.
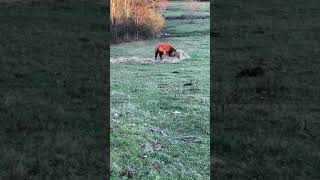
(166, 59)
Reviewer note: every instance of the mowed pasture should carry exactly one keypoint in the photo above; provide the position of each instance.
(160, 112)
(266, 125)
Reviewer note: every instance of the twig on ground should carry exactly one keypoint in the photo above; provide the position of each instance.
(181, 138)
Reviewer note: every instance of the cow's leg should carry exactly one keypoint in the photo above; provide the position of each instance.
(161, 53)
(169, 53)
(156, 54)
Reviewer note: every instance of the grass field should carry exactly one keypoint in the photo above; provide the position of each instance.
(159, 125)
(266, 127)
(52, 92)
(177, 8)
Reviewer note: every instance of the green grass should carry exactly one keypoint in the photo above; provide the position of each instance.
(266, 127)
(152, 111)
(176, 9)
(51, 104)
(189, 27)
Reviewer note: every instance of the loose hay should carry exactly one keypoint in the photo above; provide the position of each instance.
(181, 55)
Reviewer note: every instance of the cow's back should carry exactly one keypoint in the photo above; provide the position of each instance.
(163, 47)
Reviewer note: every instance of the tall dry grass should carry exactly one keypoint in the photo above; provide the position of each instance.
(135, 19)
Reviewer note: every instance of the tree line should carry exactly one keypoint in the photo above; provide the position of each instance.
(135, 19)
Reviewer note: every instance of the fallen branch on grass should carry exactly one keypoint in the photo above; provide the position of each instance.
(159, 130)
(181, 138)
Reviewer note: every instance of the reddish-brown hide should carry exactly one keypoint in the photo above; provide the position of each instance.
(164, 48)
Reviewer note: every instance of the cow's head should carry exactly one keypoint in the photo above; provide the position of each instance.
(175, 54)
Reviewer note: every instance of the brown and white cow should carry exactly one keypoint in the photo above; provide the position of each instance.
(164, 48)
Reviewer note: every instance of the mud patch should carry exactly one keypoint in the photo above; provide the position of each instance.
(181, 55)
